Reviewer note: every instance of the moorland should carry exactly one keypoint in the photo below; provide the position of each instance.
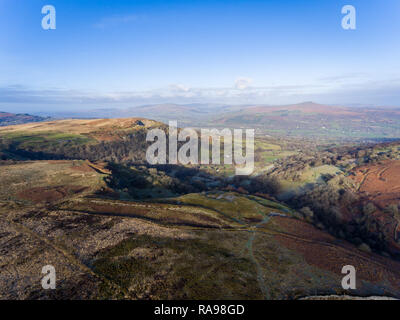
(78, 194)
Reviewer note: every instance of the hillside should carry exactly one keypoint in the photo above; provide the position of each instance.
(212, 245)
(95, 139)
(8, 119)
(78, 126)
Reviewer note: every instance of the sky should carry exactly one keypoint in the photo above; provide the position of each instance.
(106, 54)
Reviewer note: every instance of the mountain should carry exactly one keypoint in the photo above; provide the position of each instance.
(94, 139)
(90, 127)
(7, 119)
(161, 112)
(306, 108)
(303, 119)
(315, 120)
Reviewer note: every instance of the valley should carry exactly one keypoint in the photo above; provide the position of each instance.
(78, 195)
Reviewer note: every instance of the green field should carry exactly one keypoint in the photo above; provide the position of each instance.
(44, 139)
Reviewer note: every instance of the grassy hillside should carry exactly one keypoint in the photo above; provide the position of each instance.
(213, 245)
(98, 139)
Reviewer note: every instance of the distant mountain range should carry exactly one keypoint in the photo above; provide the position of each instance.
(303, 119)
(7, 119)
(312, 119)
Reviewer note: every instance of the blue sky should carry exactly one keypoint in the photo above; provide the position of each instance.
(125, 53)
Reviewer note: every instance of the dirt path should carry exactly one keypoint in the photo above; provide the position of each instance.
(249, 246)
(363, 179)
(382, 172)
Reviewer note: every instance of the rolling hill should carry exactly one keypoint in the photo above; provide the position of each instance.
(93, 139)
(315, 120)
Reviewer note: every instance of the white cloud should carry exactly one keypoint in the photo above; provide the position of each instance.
(243, 83)
(179, 88)
(378, 92)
